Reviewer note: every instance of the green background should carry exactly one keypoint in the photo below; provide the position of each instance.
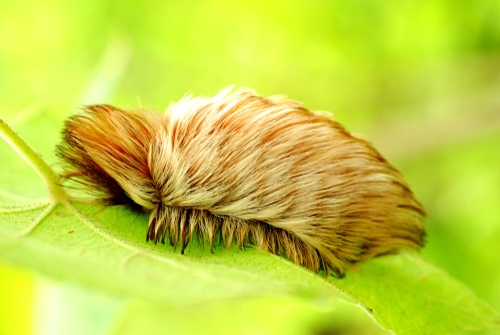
(420, 79)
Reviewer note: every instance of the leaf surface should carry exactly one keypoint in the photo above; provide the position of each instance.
(106, 249)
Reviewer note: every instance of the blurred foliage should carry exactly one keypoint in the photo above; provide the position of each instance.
(421, 79)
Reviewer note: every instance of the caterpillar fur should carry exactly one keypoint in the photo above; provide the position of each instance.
(239, 167)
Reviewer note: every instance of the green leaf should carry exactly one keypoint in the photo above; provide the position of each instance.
(106, 249)
(408, 295)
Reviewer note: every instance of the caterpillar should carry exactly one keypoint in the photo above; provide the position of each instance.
(245, 169)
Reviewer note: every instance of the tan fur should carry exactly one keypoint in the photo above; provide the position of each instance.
(249, 169)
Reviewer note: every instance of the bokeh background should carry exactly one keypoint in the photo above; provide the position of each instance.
(420, 79)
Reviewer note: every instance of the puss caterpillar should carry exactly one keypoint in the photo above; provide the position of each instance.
(264, 171)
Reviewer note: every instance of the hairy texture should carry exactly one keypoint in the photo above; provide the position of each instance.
(249, 169)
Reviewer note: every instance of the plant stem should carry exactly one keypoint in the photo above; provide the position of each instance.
(24, 150)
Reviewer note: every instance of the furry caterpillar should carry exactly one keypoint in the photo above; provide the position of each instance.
(249, 169)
